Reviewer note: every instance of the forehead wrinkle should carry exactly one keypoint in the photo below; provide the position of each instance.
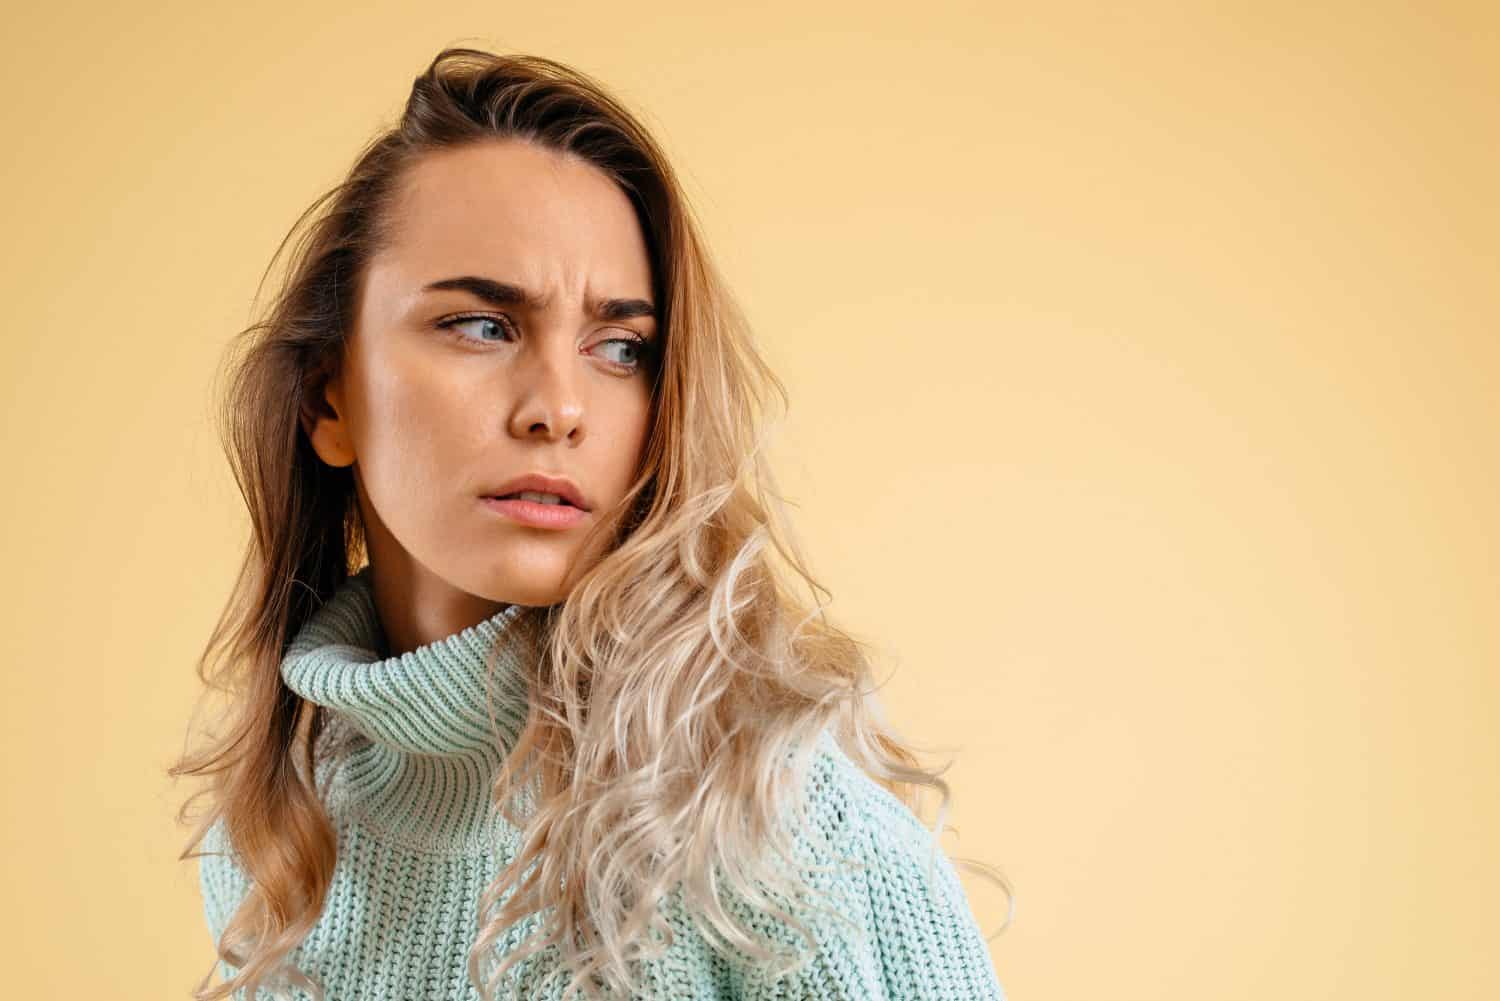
(449, 213)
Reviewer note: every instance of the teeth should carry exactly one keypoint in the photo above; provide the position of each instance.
(532, 495)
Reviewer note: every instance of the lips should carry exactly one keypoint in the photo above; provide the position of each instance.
(560, 486)
(562, 501)
(536, 513)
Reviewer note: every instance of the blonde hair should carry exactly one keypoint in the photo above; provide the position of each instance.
(675, 683)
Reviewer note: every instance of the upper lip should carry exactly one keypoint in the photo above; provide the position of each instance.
(542, 483)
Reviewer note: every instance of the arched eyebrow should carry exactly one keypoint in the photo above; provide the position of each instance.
(498, 293)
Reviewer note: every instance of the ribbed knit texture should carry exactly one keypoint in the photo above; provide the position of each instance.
(409, 756)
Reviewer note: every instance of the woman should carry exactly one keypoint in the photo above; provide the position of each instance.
(519, 702)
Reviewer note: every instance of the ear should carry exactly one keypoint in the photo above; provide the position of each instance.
(322, 419)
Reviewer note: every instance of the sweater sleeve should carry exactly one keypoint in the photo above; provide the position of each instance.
(909, 936)
(222, 884)
(929, 942)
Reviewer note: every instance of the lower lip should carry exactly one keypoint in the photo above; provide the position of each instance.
(536, 513)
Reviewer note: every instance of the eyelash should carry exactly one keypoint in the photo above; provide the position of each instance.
(643, 346)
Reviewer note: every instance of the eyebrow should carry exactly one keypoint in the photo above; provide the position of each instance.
(498, 293)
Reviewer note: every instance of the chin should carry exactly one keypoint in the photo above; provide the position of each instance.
(532, 598)
(518, 587)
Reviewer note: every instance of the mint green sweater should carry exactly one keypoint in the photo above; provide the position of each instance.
(409, 757)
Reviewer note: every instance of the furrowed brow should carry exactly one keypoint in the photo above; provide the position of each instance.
(498, 293)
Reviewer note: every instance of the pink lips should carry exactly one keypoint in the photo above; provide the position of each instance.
(535, 513)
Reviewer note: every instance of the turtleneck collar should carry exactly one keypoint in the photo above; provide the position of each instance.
(424, 751)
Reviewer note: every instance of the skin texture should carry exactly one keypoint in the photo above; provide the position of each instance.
(431, 417)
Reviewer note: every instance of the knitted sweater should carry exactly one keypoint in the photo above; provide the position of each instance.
(418, 841)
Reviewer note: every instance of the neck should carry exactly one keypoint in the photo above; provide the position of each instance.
(427, 729)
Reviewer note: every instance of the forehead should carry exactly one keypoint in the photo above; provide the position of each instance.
(516, 212)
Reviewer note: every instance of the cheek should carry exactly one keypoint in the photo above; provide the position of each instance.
(417, 429)
(629, 430)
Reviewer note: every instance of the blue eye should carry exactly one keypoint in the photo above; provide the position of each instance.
(639, 350)
(636, 344)
(458, 321)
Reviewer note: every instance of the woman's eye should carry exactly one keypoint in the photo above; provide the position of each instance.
(494, 329)
(634, 347)
(496, 325)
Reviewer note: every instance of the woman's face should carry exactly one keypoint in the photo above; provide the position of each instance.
(522, 365)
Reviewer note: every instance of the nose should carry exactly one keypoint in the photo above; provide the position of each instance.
(547, 390)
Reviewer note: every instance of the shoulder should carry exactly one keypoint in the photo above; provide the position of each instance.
(903, 927)
(854, 811)
(833, 790)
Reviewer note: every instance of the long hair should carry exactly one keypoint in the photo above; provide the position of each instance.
(676, 680)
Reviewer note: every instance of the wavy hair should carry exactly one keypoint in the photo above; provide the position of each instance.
(673, 684)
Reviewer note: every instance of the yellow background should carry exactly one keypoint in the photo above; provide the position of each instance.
(1144, 367)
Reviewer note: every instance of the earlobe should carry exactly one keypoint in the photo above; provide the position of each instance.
(325, 430)
(328, 440)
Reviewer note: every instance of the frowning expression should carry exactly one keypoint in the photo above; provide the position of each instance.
(508, 327)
